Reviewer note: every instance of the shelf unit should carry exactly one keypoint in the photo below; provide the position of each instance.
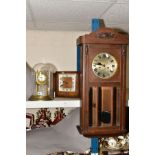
(56, 103)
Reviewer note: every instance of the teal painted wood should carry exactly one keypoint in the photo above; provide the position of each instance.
(94, 145)
(96, 24)
(78, 58)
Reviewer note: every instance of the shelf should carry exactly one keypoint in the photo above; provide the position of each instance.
(56, 103)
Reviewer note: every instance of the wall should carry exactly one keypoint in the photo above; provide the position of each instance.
(56, 47)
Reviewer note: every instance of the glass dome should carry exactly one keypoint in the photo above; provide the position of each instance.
(43, 76)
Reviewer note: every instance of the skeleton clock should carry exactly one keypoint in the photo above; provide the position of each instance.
(102, 82)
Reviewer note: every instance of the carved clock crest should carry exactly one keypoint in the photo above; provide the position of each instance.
(102, 82)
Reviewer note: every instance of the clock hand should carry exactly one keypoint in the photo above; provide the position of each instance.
(100, 64)
(65, 82)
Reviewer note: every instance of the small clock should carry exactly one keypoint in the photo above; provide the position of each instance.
(43, 75)
(67, 84)
(104, 65)
(41, 78)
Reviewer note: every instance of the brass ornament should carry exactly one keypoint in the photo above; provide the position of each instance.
(114, 143)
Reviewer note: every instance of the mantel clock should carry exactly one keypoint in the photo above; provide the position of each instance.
(103, 82)
(67, 84)
(43, 79)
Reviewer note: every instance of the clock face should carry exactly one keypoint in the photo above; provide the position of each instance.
(67, 82)
(41, 78)
(104, 65)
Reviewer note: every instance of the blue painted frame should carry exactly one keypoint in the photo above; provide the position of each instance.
(96, 24)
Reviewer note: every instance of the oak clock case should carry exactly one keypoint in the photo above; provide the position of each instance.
(103, 83)
(67, 84)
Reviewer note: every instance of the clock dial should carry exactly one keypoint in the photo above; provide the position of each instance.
(67, 82)
(104, 65)
(41, 78)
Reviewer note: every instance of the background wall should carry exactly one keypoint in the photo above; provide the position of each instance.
(56, 47)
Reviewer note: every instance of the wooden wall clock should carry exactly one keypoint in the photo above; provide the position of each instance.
(103, 82)
(67, 84)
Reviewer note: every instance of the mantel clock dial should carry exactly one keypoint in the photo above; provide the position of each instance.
(104, 65)
(67, 84)
(41, 78)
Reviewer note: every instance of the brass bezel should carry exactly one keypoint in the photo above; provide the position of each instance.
(116, 63)
(45, 82)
